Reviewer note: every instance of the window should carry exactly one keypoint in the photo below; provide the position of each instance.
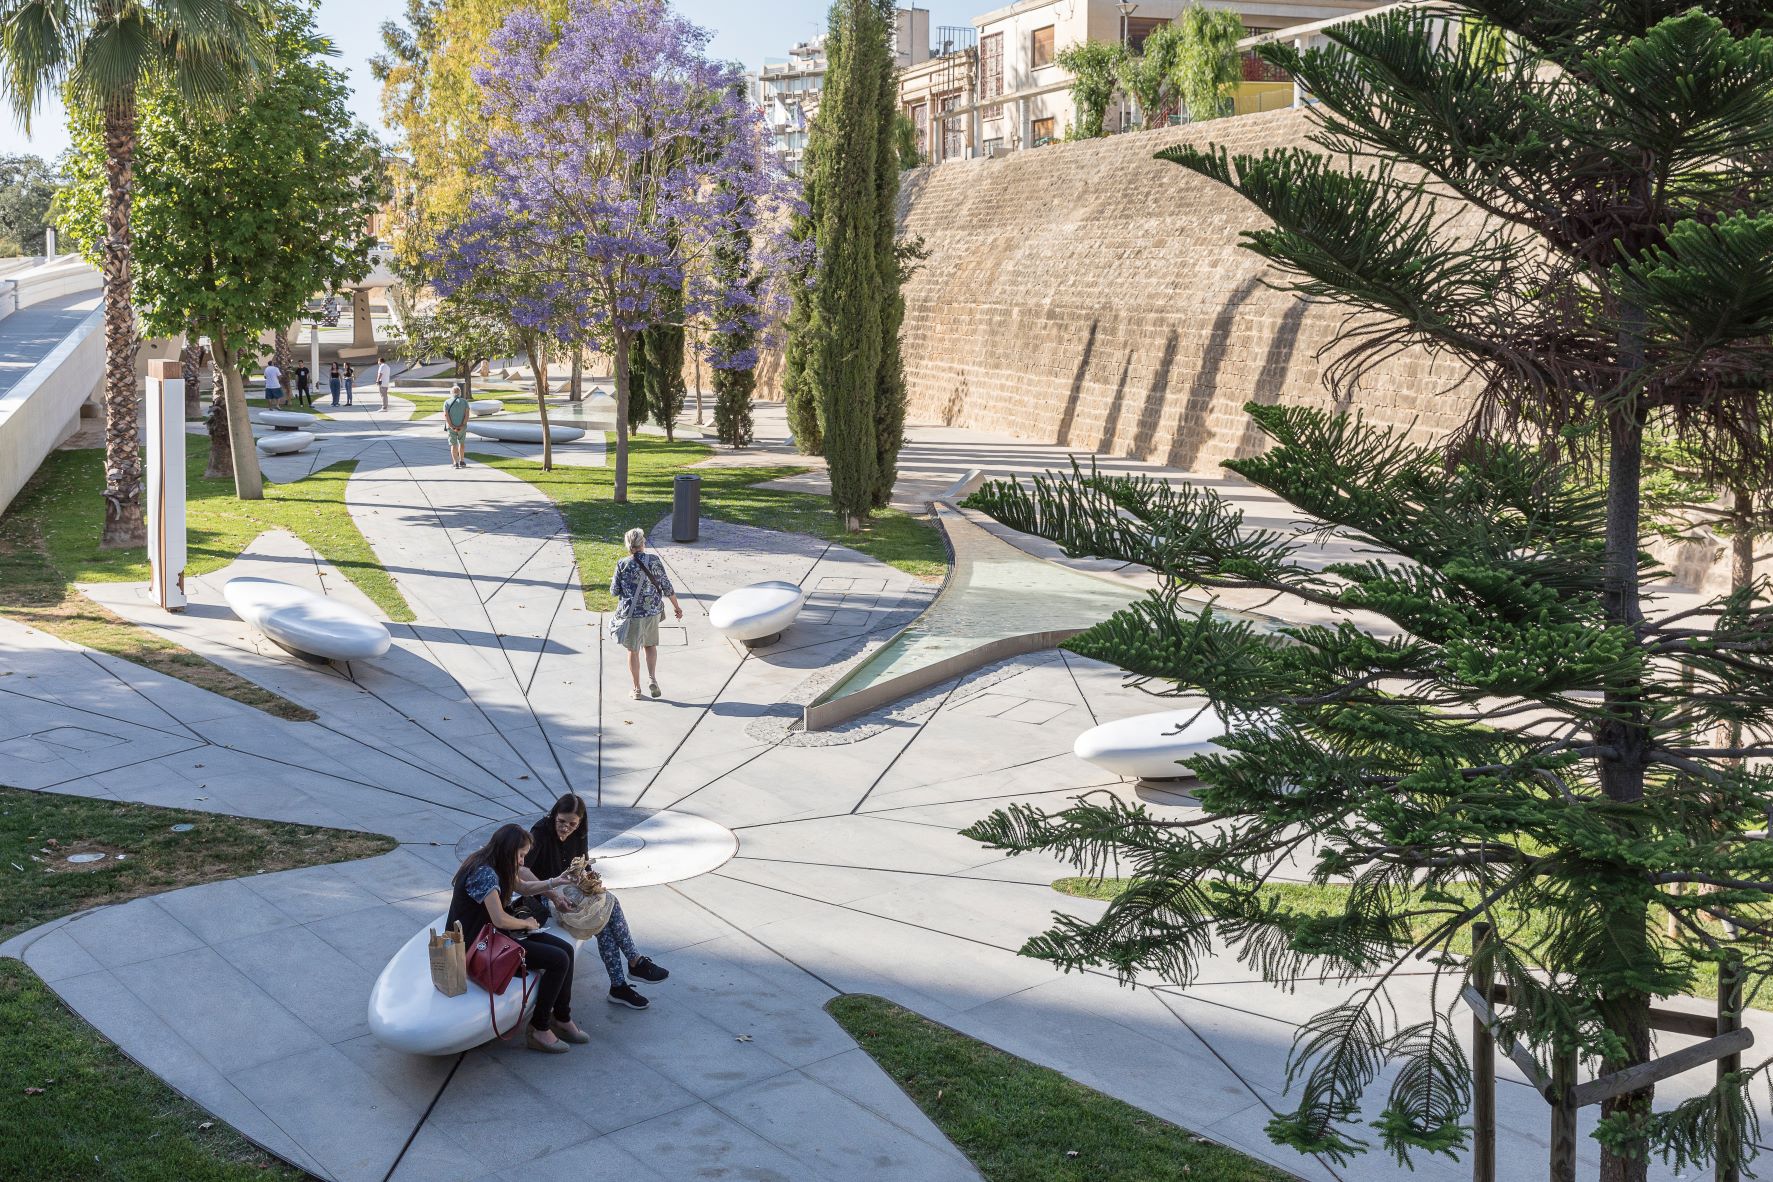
(954, 130)
(1040, 132)
(990, 74)
(919, 114)
(1141, 27)
(1040, 48)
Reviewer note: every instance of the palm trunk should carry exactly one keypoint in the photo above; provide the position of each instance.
(125, 521)
(622, 376)
(189, 355)
(249, 482)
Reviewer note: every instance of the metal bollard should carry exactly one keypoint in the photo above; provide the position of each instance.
(686, 508)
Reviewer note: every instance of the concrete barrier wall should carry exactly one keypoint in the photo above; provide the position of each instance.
(43, 409)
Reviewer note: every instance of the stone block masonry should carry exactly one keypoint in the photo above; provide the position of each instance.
(1089, 295)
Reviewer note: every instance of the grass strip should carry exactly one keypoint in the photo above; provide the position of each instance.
(1532, 929)
(63, 505)
(74, 1106)
(597, 523)
(1019, 1122)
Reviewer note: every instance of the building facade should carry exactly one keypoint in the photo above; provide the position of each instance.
(937, 96)
(1023, 96)
(789, 89)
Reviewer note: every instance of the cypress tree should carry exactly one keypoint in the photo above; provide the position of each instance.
(837, 356)
(889, 382)
(665, 391)
(737, 346)
(639, 404)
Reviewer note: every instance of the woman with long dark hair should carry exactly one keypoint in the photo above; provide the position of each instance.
(484, 885)
(555, 841)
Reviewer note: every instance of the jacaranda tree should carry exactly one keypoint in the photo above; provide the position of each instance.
(1501, 725)
(613, 168)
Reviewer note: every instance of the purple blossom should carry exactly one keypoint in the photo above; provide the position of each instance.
(619, 157)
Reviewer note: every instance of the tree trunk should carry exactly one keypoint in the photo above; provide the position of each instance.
(538, 365)
(221, 460)
(1742, 542)
(578, 389)
(190, 356)
(622, 376)
(1626, 1014)
(126, 524)
(282, 356)
(696, 345)
(249, 482)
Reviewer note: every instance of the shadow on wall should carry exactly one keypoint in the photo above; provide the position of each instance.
(1068, 416)
(1192, 428)
(1271, 379)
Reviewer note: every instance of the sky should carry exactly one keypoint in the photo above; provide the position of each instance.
(744, 30)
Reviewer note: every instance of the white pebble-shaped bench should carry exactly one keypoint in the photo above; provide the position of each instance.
(759, 613)
(407, 1012)
(286, 420)
(282, 443)
(1152, 746)
(306, 624)
(509, 432)
(486, 406)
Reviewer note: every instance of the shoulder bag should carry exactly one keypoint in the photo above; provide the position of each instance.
(493, 960)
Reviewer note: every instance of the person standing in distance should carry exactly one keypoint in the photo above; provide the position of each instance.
(384, 376)
(455, 425)
(273, 384)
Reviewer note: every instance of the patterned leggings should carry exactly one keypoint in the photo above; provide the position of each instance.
(616, 945)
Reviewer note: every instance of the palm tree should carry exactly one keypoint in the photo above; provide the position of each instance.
(101, 53)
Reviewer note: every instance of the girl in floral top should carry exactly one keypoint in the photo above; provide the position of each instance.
(641, 587)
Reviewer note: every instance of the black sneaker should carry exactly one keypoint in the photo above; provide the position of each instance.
(627, 995)
(646, 970)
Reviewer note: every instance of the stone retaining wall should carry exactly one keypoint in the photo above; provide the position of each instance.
(1087, 294)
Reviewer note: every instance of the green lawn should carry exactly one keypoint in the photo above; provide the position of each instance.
(62, 501)
(516, 401)
(1019, 1122)
(73, 1106)
(1331, 899)
(597, 523)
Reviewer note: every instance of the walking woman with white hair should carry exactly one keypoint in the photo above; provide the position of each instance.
(641, 587)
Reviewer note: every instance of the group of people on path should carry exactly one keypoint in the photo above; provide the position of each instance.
(512, 883)
(340, 379)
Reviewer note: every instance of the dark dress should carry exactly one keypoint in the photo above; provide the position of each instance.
(548, 855)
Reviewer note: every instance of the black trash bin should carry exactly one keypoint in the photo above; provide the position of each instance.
(686, 508)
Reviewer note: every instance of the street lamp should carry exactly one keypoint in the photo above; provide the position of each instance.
(1127, 9)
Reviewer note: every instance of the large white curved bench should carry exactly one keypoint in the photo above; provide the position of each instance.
(306, 624)
(287, 420)
(1152, 746)
(759, 613)
(282, 443)
(407, 1012)
(508, 432)
(485, 406)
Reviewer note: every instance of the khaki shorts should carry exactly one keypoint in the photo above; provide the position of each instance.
(641, 632)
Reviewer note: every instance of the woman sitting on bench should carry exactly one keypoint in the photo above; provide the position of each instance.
(555, 841)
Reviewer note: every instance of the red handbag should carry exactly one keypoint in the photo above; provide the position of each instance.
(493, 959)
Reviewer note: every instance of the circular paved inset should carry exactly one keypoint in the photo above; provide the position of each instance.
(639, 847)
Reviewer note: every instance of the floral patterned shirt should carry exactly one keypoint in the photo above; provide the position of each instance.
(636, 596)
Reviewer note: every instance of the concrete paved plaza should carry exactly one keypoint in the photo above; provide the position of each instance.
(249, 996)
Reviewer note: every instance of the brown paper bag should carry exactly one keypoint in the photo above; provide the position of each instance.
(449, 962)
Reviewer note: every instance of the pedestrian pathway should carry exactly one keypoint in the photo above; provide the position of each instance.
(31, 334)
(850, 875)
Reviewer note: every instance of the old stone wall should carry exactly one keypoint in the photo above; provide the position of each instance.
(1089, 295)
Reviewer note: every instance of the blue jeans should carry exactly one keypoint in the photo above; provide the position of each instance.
(348, 382)
(616, 945)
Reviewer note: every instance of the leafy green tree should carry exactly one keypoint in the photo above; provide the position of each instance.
(1095, 68)
(905, 142)
(1530, 740)
(101, 54)
(665, 389)
(462, 329)
(28, 187)
(1207, 66)
(845, 382)
(1151, 75)
(229, 246)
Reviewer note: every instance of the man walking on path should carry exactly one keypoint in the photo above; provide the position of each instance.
(455, 425)
(273, 384)
(384, 375)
